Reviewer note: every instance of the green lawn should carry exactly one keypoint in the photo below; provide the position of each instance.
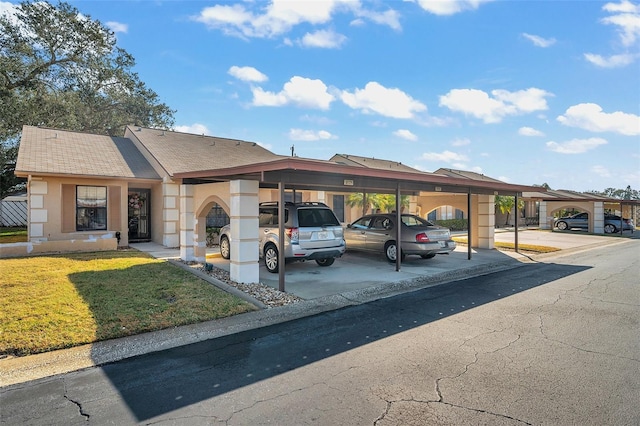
(12, 234)
(60, 301)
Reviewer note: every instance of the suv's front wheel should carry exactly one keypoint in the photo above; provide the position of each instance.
(271, 258)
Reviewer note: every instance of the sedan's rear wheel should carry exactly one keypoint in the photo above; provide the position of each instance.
(562, 226)
(225, 247)
(271, 258)
(325, 262)
(610, 229)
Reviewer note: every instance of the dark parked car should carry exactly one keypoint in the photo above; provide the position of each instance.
(581, 221)
(377, 233)
(312, 232)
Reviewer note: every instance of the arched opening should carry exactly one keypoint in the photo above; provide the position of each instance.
(213, 211)
(448, 216)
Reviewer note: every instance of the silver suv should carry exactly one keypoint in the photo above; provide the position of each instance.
(312, 232)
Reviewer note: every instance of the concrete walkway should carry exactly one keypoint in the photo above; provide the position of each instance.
(354, 279)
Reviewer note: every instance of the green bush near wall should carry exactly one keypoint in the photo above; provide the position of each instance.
(453, 224)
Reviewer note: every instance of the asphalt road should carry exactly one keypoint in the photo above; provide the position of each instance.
(550, 343)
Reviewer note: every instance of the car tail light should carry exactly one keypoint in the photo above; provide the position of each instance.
(422, 238)
(292, 233)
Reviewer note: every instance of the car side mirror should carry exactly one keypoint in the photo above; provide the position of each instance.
(348, 225)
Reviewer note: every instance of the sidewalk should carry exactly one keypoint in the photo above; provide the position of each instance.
(354, 279)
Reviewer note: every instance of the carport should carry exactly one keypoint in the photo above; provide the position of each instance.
(595, 205)
(293, 173)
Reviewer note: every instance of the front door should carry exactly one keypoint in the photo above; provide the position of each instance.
(139, 229)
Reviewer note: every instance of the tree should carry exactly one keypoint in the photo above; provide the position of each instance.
(384, 202)
(505, 204)
(59, 68)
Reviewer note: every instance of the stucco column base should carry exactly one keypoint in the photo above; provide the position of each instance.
(244, 267)
(484, 221)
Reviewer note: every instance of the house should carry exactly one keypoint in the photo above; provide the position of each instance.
(96, 192)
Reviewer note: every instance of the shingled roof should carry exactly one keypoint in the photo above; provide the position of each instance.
(178, 152)
(371, 163)
(59, 152)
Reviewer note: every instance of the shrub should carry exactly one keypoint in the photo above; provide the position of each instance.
(453, 224)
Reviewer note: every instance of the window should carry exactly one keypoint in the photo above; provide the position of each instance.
(91, 208)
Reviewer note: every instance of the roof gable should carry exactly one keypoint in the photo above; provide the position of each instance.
(178, 152)
(51, 151)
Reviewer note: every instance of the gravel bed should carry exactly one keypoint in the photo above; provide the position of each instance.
(265, 294)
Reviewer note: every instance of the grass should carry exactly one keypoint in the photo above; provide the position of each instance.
(511, 246)
(60, 301)
(11, 234)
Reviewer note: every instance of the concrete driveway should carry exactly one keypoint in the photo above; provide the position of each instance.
(356, 271)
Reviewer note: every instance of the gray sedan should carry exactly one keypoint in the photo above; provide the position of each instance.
(377, 233)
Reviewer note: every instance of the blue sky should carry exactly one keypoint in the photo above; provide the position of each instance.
(528, 92)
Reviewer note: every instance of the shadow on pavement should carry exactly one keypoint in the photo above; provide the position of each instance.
(159, 383)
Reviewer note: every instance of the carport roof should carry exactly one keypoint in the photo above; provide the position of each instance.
(568, 196)
(304, 173)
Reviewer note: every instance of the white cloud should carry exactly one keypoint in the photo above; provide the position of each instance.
(626, 18)
(529, 131)
(310, 135)
(461, 142)
(600, 171)
(590, 117)
(247, 74)
(479, 104)
(539, 41)
(613, 61)
(195, 128)
(375, 98)
(299, 91)
(444, 157)
(449, 7)
(278, 17)
(325, 39)
(576, 146)
(405, 134)
(117, 27)
(390, 18)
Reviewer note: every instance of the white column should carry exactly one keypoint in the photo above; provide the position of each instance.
(170, 214)
(244, 267)
(187, 223)
(486, 221)
(598, 217)
(37, 214)
(544, 221)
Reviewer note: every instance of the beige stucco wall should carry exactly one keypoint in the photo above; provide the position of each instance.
(62, 246)
(45, 208)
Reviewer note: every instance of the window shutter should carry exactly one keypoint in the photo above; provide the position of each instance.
(113, 208)
(68, 208)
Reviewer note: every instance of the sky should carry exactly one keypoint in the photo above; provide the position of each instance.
(528, 92)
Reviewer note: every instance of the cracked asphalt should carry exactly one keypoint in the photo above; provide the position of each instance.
(552, 342)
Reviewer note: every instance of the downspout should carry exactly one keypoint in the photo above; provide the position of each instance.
(398, 229)
(281, 235)
(469, 223)
(515, 223)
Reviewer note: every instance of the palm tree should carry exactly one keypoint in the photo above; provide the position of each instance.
(506, 203)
